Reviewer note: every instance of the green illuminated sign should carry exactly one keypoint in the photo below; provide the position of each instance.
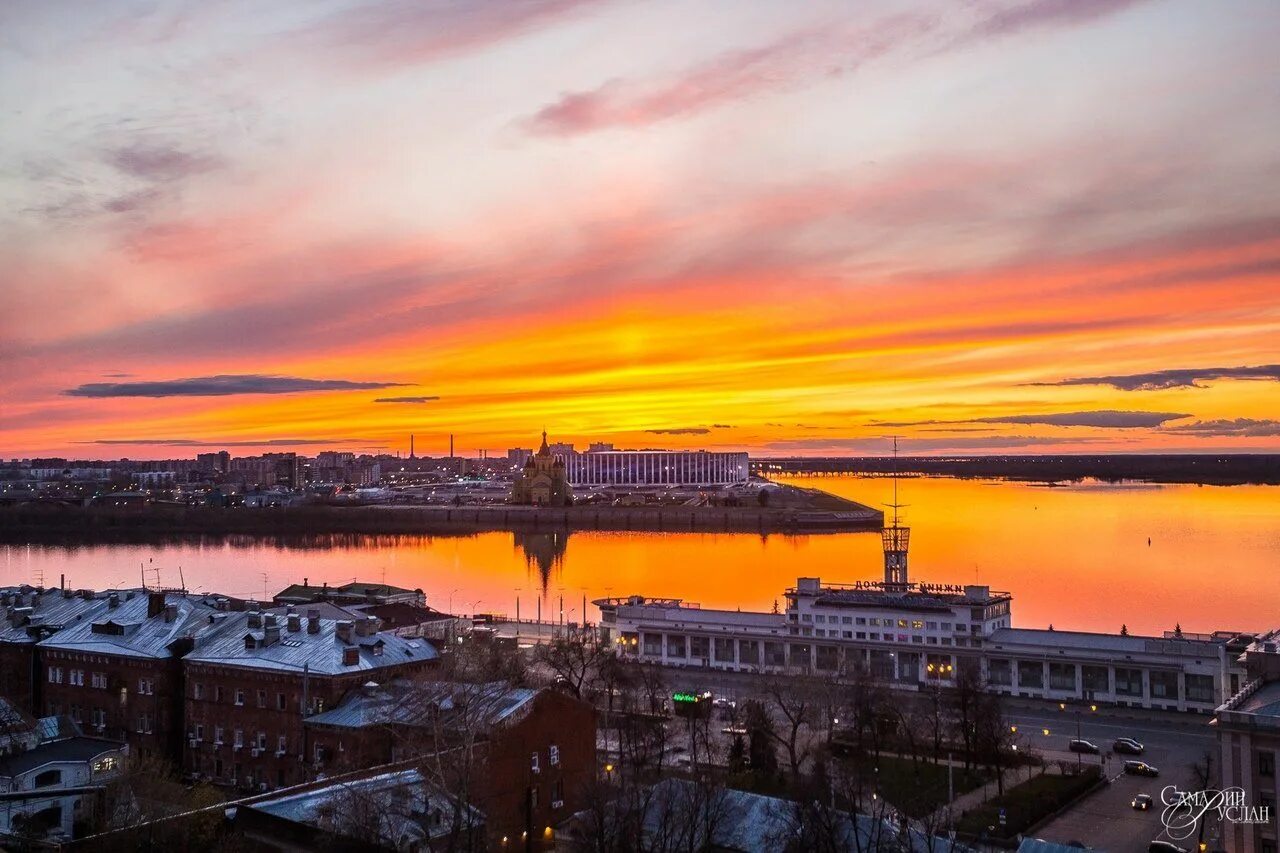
(684, 697)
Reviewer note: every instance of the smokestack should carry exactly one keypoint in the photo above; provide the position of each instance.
(411, 454)
(450, 445)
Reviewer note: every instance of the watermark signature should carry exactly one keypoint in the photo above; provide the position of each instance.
(1183, 810)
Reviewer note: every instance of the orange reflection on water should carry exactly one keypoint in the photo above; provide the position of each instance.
(1076, 557)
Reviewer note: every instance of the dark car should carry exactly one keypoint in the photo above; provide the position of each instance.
(1128, 746)
(1140, 768)
(1141, 803)
(1161, 846)
(1083, 746)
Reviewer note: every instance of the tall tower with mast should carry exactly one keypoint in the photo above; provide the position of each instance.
(895, 539)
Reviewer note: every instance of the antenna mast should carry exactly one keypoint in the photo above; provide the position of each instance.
(895, 539)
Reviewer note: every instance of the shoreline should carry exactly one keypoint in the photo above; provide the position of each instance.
(71, 525)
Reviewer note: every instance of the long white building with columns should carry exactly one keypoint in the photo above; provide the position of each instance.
(912, 634)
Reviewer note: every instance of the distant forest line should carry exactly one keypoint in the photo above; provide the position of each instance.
(1207, 469)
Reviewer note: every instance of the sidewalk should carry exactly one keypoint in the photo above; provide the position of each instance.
(972, 799)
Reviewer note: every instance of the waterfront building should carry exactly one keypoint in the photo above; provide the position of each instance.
(1248, 731)
(518, 456)
(914, 634)
(602, 468)
(542, 480)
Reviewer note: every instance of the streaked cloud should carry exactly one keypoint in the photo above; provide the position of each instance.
(1104, 419)
(405, 399)
(195, 442)
(224, 385)
(1235, 427)
(1156, 380)
(679, 431)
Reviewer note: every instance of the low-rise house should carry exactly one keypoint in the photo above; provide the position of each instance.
(356, 592)
(52, 777)
(248, 691)
(391, 810)
(524, 757)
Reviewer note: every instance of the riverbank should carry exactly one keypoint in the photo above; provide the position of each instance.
(60, 525)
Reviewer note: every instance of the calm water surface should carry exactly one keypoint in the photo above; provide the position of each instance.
(1076, 557)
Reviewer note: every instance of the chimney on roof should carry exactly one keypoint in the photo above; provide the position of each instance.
(294, 623)
(364, 626)
(155, 604)
(66, 593)
(128, 595)
(86, 594)
(350, 656)
(255, 619)
(170, 612)
(113, 600)
(270, 634)
(344, 631)
(313, 620)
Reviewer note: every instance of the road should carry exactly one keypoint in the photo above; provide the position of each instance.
(1105, 820)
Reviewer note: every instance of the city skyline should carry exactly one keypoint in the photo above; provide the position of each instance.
(1005, 227)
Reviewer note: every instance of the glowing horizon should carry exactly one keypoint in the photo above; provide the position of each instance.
(1022, 226)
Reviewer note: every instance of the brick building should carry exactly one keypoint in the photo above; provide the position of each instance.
(29, 615)
(524, 757)
(356, 592)
(249, 689)
(118, 672)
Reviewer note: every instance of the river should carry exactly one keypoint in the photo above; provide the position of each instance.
(1076, 557)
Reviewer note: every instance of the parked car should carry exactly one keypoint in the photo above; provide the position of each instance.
(1083, 746)
(1162, 846)
(1140, 768)
(1128, 746)
(1142, 802)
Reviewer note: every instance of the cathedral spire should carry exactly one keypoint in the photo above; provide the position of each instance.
(543, 449)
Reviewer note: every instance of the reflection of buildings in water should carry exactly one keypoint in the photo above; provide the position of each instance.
(546, 550)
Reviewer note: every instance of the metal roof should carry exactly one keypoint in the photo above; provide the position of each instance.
(127, 630)
(415, 702)
(320, 653)
(52, 609)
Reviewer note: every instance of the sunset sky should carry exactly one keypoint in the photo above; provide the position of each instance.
(793, 228)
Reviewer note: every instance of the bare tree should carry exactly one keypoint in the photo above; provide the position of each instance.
(575, 660)
(794, 701)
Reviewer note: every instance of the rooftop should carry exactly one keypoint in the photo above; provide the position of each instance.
(1086, 641)
(399, 795)
(30, 614)
(413, 702)
(127, 629)
(68, 749)
(274, 646)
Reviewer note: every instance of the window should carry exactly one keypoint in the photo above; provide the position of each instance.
(1266, 763)
(280, 703)
(557, 791)
(282, 744)
(675, 645)
(1030, 674)
(239, 697)
(699, 647)
(144, 723)
(555, 754)
(1062, 676)
(217, 692)
(217, 735)
(875, 635)
(848, 635)
(533, 796)
(1096, 679)
(917, 624)
(99, 717)
(999, 672)
(533, 764)
(199, 731)
(748, 651)
(47, 778)
(55, 675)
(1128, 681)
(146, 686)
(861, 635)
(99, 680)
(806, 617)
(77, 677)
(197, 690)
(75, 713)
(262, 698)
(819, 618)
(1199, 688)
(262, 740)
(862, 620)
(238, 739)
(902, 623)
(917, 639)
(846, 620)
(932, 626)
(946, 626)
(1164, 685)
(724, 649)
